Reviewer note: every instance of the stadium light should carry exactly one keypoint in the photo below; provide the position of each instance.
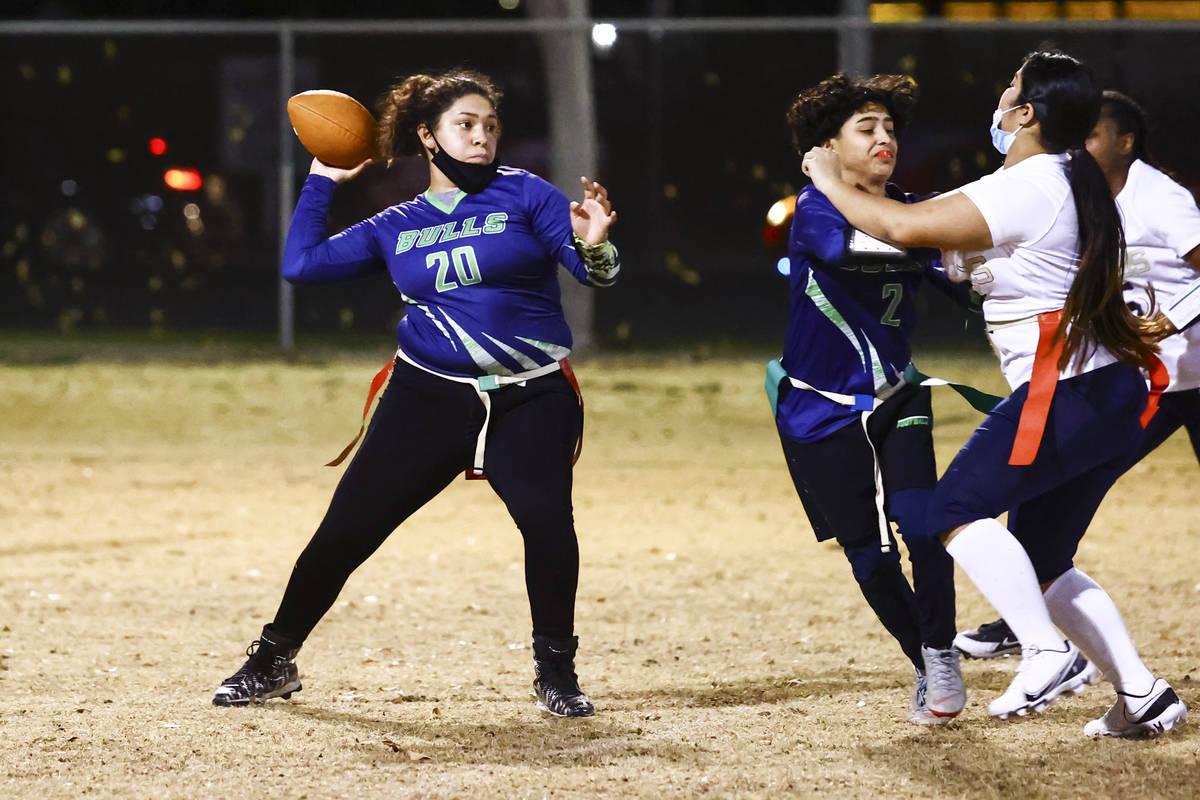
(604, 35)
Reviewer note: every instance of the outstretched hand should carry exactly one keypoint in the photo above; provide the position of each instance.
(337, 174)
(591, 219)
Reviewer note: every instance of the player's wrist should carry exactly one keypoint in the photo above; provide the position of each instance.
(601, 259)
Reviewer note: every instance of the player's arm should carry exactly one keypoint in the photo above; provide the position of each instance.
(1184, 310)
(310, 257)
(1176, 221)
(590, 221)
(936, 273)
(819, 233)
(576, 234)
(948, 221)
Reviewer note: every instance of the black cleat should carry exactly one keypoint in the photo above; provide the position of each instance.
(555, 682)
(989, 640)
(269, 672)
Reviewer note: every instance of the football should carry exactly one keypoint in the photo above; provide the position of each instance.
(333, 126)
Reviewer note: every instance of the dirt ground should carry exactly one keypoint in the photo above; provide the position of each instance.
(150, 514)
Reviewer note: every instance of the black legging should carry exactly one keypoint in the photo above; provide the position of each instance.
(421, 437)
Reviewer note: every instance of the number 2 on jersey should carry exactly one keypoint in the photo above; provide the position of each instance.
(465, 266)
(893, 293)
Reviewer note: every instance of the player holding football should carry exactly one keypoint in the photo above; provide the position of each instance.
(1043, 243)
(480, 380)
(856, 435)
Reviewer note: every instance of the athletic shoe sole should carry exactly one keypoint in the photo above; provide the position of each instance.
(543, 707)
(973, 648)
(1164, 719)
(929, 718)
(284, 692)
(1174, 715)
(1003, 652)
(1087, 677)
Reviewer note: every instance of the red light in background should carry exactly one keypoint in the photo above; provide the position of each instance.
(158, 146)
(183, 179)
(779, 218)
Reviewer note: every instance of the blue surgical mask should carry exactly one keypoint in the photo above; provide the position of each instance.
(1002, 140)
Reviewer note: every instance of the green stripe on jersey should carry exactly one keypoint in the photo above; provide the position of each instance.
(525, 361)
(870, 361)
(555, 351)
(482, 358)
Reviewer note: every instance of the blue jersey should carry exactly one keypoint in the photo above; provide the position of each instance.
(479, 274)
(852, 311)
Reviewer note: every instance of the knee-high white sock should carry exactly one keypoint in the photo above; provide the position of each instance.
(997, 564)
(1087, 615)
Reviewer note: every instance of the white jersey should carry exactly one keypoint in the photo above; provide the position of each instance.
(1030, 210)
(1162, 225)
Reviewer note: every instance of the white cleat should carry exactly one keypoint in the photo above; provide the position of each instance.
(1043, 677)
(1140, 716)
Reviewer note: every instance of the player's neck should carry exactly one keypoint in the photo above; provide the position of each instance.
(438, 182)
(1023, 147)
(871, 184)
(1117, 177)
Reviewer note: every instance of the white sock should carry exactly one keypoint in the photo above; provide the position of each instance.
(999, 567)
(1088, 616)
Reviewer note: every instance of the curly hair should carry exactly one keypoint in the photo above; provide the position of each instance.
(818, 113)
(422, 99)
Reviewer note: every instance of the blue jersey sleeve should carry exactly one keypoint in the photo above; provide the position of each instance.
(550, 215)
(310, 257)
(819, 230)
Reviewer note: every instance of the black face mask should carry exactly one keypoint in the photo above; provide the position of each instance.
(471, 178)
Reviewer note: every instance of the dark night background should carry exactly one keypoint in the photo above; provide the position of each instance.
(692, 147)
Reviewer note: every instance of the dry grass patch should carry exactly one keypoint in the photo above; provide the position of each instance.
(150, 515)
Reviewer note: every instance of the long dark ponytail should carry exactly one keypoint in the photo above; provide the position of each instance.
(1066, 104)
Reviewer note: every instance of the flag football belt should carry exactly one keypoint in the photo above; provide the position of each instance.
(1044, 380)
(866, 404)
(911, 376)
(482, 386)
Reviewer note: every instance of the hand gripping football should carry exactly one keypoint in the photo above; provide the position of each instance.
(334, 127)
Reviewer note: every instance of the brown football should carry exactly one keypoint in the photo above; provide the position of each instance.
(333, 126)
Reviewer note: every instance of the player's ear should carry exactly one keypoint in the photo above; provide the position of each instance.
(1126, 143)
(426, 137)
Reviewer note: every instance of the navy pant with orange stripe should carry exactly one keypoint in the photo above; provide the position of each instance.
(1092, 429)
(421, 437)
(1180, 409)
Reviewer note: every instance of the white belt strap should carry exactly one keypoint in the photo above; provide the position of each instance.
(859, 402)
(482, 385)
(885, 539)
